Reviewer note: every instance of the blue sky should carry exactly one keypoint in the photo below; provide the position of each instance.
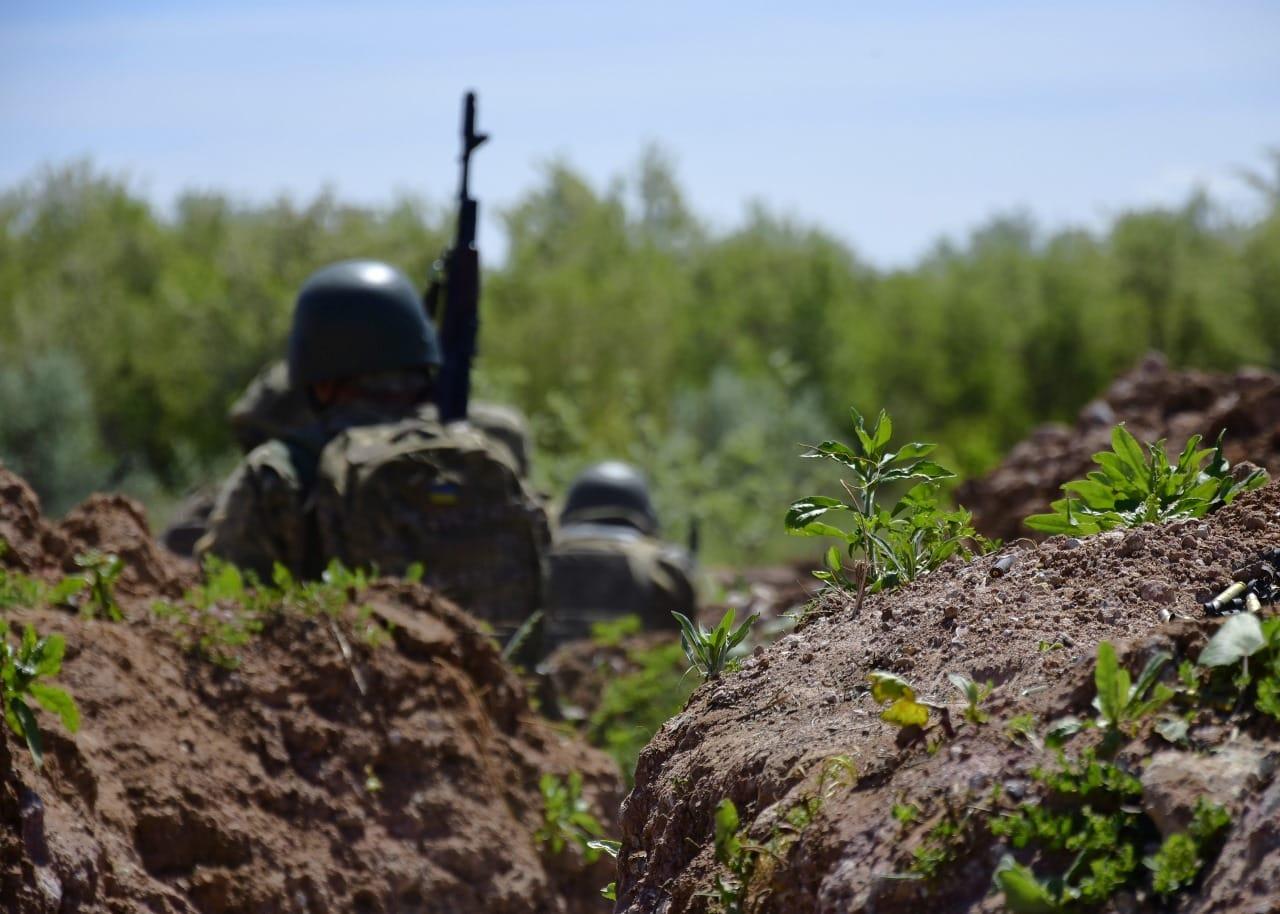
(890, 124)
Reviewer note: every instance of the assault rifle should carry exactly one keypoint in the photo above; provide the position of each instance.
(457, 319)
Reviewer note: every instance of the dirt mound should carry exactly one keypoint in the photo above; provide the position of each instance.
(103, 523)
(403, 778)
(1154, 402)
(1029, 619)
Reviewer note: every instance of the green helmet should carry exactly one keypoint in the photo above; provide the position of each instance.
(358, 317)
(610, 492)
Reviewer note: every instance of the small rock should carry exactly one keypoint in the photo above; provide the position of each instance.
(1156, 592)
(1189, 542)
(1255, 522)
(950, 612)
(1071, 542)
(1174, 781)
(1133, 544)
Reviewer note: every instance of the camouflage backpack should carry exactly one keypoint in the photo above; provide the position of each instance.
(413, 492)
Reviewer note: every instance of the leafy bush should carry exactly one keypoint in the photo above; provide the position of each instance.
(21, 670)
(1131, 489)
(890, 546)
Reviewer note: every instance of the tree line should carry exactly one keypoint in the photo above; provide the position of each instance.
(620, 322)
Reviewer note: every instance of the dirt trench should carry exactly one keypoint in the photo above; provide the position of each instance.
(1154, 401)
(1029, 619)
(283, 785)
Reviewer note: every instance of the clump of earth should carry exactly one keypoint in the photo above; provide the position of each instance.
(325, 772)
(1028, 619)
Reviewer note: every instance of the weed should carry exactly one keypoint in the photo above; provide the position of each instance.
(736, 854)
(565, 817)
(101, 571)
(709, 651)
(899, 698)
(1243, 657)
(612, 848)
(889, 546)
(1179, 860)
(942, 844)
(974, 694)
(21, 669)
(905, 814)
(1131, 489)
(634, 705)
(1023, 726)
(1118, 702)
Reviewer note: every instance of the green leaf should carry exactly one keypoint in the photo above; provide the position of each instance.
(805, 511)
(1053, 523)
(906, 712)
(1129, 451)
(30, 729)
(883, 431)
(1112, 682)
(49, 659)
(607, 845)
(1023, 892)
(1240, 636)
(1061, 730)
(728, 844)
(57, 701)
(914, 451)
(886, 687)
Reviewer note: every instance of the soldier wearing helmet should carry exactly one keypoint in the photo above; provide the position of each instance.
(608, 561)
(376, 480)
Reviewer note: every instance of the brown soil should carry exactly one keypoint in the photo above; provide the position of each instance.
(1154, 402)
(761, 736)
(283, 786)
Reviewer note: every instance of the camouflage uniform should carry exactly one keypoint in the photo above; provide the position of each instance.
(381, 486)
(607, 560)
(271, 408)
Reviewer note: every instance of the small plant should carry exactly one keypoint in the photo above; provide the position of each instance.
(736, 854)
(566, 818)
(899, 698)
(974, 694)
(1118, 702)
(1089, 818)
(101, 571)
(905, 814)
(1133, 489)
(888, 546)
(21, 669)
(1180, 858)
(1246, 649)
(636, 703)
(1023, 727)
(612, 848)
(709, 651)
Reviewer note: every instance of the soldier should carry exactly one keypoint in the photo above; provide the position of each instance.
(271, 407)
(376, 480)
(607, 560)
